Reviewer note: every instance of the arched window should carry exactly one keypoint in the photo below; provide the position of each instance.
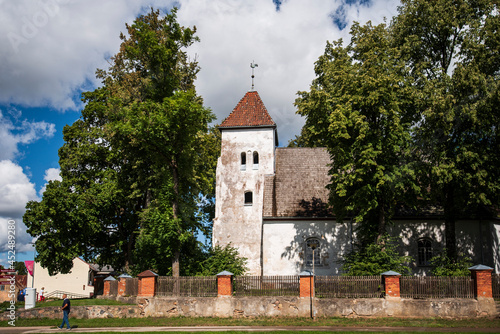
(243, 161)
(255, 160)
(248, 198)
(313, 252)
(424, 251)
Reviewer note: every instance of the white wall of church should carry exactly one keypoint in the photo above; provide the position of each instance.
(284, 245)
(235, 221)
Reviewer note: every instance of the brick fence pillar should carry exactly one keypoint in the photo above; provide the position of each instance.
(482, 281)
(306, 284)
(391, 283)
(225, 284)
(107, 284)
(122, 284)
(147, 283)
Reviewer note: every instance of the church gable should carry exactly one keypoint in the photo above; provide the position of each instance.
(298, 186)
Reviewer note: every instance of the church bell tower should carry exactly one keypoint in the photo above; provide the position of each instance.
(249, 139)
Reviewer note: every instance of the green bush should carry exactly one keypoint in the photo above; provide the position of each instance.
(376, 258)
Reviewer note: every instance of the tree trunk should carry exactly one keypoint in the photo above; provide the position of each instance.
(381, 221)
(449, 223)
(175, 210)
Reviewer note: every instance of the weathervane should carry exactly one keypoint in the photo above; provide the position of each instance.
(253, 65)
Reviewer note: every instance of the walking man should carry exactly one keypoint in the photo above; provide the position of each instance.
(66, 308)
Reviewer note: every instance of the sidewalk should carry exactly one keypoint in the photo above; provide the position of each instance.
(46, 329)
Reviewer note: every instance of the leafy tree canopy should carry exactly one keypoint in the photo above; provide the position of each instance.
(138, 167)
(360, 107)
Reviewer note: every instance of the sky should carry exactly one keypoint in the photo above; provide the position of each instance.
(50, 50)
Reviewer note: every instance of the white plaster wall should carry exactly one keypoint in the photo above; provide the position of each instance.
(234, 221)
(284, 245)
(494, 229)
(75, 282)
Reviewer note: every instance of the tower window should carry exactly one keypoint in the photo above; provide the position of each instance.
(248, 198)
(424, 252)
(243, 161)
(255, 160)
(313, 252)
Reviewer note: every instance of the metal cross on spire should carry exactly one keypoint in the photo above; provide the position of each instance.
(253, 65)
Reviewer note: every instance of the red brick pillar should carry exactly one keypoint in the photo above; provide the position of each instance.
(147, 283)
(391, 283)
(225, 284)
(482, 281)
(306, 284)
(107, 283)
(122, 284)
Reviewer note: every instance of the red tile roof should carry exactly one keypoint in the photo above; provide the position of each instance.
(250, 111)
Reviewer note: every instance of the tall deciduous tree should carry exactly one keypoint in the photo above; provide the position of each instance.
(139, 164)
(360, 107)
(453, 52)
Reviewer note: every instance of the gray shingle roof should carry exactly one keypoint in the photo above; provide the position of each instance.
(301, 176)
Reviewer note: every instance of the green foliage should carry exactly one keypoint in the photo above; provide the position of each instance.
(453, 53)
(20, 268)
(138, 167)
(442, 265)
(360, 106)
(223, 258)
(376, 258)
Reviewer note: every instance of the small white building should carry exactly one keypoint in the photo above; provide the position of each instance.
(79, 282)
(270, 204)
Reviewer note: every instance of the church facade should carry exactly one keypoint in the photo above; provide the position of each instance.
(270, 205)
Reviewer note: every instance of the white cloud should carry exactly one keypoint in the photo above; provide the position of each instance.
(15, 190)
(50, 49)
(51, 174)
(285, 44)
(14, 132)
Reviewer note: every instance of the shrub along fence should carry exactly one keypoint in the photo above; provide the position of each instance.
(481, 284)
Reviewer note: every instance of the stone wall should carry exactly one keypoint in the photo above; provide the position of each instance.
(275, 307)
(302, 307)
(78, 312)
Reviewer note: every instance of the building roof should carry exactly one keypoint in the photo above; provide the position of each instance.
(249, 112)
(298, 187)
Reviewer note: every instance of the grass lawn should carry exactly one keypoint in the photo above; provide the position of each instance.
(337, 322)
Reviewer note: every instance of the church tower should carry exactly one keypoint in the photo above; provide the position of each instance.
(249, 139)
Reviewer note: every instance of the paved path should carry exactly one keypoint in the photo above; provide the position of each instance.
(51, 329)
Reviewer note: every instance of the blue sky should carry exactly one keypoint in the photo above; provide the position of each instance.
(50, 49)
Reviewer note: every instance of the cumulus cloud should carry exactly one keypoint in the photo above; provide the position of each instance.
(51, 174)
(14, 132)
(50, 49)
(285, 43)
(15, 189)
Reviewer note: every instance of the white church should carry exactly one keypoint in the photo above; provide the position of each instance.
(269, 203)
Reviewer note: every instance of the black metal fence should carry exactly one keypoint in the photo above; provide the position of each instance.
(187, 286)
(266, 286)
(348, 287)
(436, 287)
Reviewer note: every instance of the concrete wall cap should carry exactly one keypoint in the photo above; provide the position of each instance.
(480, 267)
(306, 273)
(110, 278)
(390, 273)
(225, 273)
